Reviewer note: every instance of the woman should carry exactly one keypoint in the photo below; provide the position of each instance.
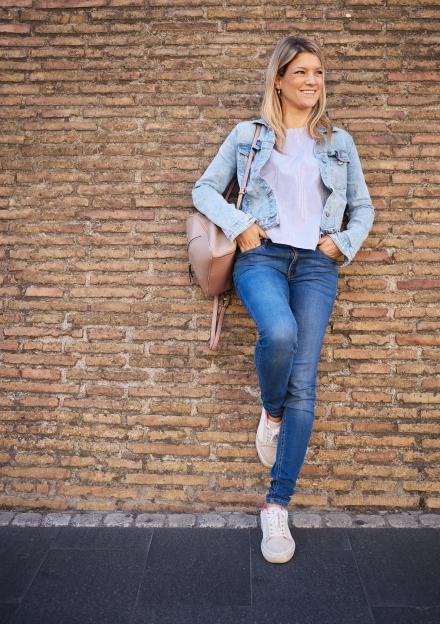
(290, 245)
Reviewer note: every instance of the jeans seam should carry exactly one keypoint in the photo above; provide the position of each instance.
(257, 359)
(283, 430)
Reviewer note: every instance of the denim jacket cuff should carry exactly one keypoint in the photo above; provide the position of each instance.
(240, 226)
(342, 241)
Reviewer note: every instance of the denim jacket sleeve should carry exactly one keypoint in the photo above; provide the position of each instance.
(360, 209)
(207, 192)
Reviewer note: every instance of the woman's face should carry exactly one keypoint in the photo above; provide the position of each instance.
(302, 82)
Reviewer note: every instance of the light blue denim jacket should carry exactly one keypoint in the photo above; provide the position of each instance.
(341, 173)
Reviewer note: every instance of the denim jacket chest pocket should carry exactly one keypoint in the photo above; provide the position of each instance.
(338, 163)
(243, 150)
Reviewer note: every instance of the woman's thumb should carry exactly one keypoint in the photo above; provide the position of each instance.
(263, 232)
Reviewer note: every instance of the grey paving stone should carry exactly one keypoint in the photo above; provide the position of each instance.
(369, 521)
(320, 542)
(406, 615)
(181, 613)
(83, 586)
(151, 520)
(181, 520)
(304, 519)
(22, 551)
(94, 518)
(398, 567)
(430, 520)
(337, 519)
(103, 538)
(119, 519)
(402, 520)
(213, 520)
(6, 517)
(27, 518)
(56, 519)
(237, 520)
(6, 611)
(194, 568)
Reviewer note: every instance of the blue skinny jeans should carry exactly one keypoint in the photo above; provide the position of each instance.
(289, 292)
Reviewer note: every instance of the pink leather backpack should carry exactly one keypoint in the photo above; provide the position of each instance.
(212, 254)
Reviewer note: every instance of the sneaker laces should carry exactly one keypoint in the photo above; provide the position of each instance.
(276, 523)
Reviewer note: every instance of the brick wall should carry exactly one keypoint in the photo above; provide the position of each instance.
(110, 397)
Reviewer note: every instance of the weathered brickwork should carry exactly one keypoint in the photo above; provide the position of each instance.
(111, 400)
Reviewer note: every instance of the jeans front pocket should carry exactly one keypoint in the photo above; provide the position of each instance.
(249, 250)
(325, 255)
(262, 245)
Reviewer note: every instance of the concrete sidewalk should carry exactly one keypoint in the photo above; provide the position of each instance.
(70, 568)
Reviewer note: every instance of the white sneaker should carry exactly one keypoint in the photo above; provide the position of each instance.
(277, 544)
(266, 440)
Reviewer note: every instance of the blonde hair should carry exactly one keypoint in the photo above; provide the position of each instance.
(285, 51)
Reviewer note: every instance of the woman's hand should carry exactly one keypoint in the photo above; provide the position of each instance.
(250, 238)
(328, 247)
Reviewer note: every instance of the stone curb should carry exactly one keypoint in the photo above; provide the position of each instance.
(232, 520)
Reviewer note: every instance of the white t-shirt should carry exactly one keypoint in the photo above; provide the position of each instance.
(299, 191)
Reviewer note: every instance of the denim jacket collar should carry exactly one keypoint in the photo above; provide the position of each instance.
(264, 122)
